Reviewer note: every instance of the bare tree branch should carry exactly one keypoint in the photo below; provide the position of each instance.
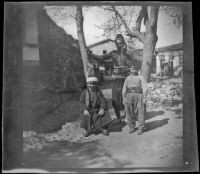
(145, 14)
(123, 21)
(110, 9)
(135, 33)
(139, 20)
(138, 35)
(129, 22)
(81, 39)
(154, 15)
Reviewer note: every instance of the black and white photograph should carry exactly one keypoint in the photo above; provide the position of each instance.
(100, 86)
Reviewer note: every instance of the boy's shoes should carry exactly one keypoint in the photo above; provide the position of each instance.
(140, 131)
(105, 132)
(86, 134)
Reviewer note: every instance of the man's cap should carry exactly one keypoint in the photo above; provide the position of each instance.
(92, 79)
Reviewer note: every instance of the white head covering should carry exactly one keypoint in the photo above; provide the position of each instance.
(92, 79)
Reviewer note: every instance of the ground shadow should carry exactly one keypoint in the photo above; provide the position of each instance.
(152, 114)
(62, 155)
(179, 137)
(155, 124)
(177, 102)
(116, 126)
(177, 111)
(179, 117)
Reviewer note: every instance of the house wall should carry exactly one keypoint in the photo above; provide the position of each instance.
(173, 57)
(30, 24)
(30, 53)
(108, 46)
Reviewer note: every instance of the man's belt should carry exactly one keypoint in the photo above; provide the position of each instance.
(134, 90)
(118, 76)
(120, 70)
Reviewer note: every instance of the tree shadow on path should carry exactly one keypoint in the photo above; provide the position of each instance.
(116, 126)
(177, 111)
(63, 155)
(155, 124)
(152, 114)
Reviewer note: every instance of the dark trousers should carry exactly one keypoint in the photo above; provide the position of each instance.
(94, 121)
(117, 100)
(135, 109)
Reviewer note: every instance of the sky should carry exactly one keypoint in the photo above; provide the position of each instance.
(167, 32)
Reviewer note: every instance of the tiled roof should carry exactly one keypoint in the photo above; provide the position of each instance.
(174, 47)
(100, 42)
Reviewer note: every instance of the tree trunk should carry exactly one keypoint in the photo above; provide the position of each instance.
(150, 42)
(81, 38)
(148, 54)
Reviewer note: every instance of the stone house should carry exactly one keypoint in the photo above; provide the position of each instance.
(100, 48)
(171, 55)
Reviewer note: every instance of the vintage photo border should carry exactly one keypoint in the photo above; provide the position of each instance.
(190, 140)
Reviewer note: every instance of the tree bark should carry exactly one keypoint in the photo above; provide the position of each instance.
(148, 54)
(81, 37)
(149, 43)
(136, 32)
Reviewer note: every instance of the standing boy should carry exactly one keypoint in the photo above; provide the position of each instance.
(134, 99)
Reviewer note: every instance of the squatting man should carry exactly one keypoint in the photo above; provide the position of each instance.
(94, 109)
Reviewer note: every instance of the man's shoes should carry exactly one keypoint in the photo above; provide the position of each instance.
(86, 134)
(105, 132)
(140, 131)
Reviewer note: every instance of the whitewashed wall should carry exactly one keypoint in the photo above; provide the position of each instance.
(108, 46)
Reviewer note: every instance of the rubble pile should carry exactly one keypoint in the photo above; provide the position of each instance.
(166, 93)
(70, 132)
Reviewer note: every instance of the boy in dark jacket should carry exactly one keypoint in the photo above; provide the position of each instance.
(94, 109)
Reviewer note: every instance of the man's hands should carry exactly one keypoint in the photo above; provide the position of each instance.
(101, 112)
(86, 113)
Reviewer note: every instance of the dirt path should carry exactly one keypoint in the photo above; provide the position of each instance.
(159, 146)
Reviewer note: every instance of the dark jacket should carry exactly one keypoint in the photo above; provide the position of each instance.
(99, 101)
(93, 106)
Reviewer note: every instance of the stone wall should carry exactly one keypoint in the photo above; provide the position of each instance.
(59, 55)
(54, 96)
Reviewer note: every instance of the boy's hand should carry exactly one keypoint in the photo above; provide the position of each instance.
(85, 112)
(101, 112)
